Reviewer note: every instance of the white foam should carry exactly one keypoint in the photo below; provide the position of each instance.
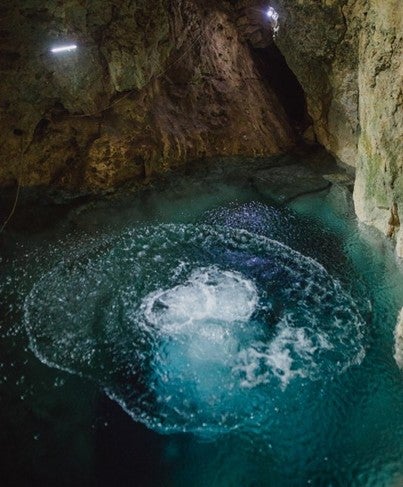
(291, 353)
(197, 332)
(209, 294)
(200, 322)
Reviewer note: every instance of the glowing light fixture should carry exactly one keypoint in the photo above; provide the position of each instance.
(70, 47)
(273, 18)
(272, 14)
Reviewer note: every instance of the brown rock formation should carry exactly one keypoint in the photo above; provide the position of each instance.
(152, 84)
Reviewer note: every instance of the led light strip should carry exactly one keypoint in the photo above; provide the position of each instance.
(64, 48)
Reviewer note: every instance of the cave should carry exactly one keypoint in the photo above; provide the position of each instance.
(274, 70)
(200, 234)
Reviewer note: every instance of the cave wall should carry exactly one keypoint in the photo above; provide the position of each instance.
(378, 193)
(347, 56)
(157, 82)
(152, 84)
(323, 52)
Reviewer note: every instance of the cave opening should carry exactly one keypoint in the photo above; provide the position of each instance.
(277, 75)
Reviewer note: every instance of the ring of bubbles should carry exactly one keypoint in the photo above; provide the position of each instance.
(193, 327)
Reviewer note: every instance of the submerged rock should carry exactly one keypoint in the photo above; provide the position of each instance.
(283, 184)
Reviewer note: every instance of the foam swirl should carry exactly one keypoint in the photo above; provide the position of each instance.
(192, 328)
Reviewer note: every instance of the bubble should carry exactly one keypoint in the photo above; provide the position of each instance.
(193, 327)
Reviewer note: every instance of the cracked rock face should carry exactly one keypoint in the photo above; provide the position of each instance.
(322, 51)
(152, 84)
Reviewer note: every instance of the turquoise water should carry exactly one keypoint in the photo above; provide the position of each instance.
(201, 333)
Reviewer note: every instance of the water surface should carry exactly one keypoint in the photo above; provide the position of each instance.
(202, 333)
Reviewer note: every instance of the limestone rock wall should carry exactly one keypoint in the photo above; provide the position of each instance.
(152, 84)
(347, 54)
(319, 41)
(378, 193)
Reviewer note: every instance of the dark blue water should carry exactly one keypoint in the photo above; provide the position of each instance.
(199, 333)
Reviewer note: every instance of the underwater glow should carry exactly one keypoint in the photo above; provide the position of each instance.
(70, 47)
(194, 328)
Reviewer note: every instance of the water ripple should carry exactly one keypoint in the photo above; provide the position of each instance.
(195, 328)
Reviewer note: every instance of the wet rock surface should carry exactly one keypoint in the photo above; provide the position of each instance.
(276, 179)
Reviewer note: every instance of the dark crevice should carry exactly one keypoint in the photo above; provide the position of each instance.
(277, 76)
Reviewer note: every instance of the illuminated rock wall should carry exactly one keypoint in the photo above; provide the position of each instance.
(347, 55)
(152, 84)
